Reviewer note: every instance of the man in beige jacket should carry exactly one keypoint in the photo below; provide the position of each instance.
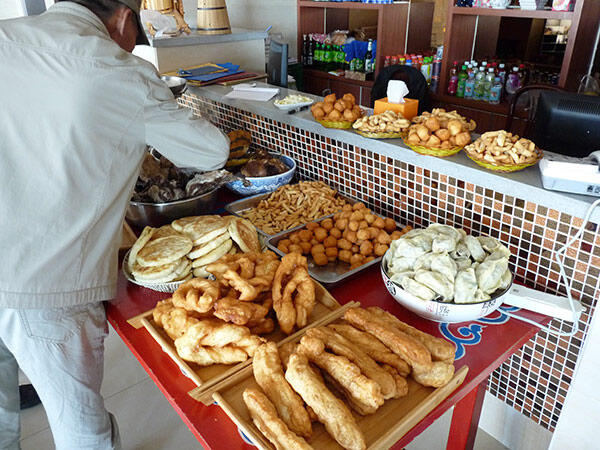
(77, 113)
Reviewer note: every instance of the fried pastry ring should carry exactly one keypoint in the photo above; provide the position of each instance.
(196, 294)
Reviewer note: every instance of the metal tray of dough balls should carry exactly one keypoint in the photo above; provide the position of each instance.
(334, 270)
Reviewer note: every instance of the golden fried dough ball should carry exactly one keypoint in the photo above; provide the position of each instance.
(313, 241)
(463, 138)
(379, 223)
(380, 249)
(357, 216)
(366, 248)
(317, 105)
(383, 237)
(344, 244)
(335, 232)
(349, 98)
(312, 225)
(347, 207)
(318, 113)
(368, 259)
(443, 134)
(320, 258)
(295, 248)
(305, 235)
(327, 224)
(363, 234)
(358, 205)
(340, 105)
(295, 237)
(357, 259)
(363, 224)
(353, 225)
(355, 248)
(331, 252)
(329, 98)
(319, 248)
(390, 225)
(432, 123)
(344, 255)
(454, 126)
(320, 234)
(337, 216)
(396, 234)
(373, 232)
(330, 241)
(327, 108)
(283, 247)
(334, 115)
(349, 116)
(351, 235)
(370, 218)
(306, 246)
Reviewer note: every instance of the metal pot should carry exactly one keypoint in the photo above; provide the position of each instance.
(176, 84)
(142, 214)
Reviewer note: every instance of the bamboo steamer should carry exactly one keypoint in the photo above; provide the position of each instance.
(212, 17)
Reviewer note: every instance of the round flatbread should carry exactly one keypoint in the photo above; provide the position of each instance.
(244, 234)
(155, 274)
(164, 250)
(147, 233)
(203, 249)
(206, 230)
(165, 230)
(200, 272)
(180, 223)
(213, 255)
(183, 269)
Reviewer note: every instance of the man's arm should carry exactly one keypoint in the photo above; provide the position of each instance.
(186, 140)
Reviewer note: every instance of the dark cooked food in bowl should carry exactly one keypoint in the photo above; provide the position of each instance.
(262, 164)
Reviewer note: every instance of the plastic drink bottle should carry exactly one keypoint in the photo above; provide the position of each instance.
(496, 91)
(462, 78)
(478, 88)
(487, 85)
(453, 79)
(470, 85)
(513, 81)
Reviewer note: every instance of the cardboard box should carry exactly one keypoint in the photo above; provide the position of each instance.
(409, 109)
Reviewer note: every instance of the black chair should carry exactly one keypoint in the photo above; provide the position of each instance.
(414, 79)
(530, 107)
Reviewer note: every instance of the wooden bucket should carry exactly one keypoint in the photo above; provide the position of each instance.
(159, 5)
(212, 17)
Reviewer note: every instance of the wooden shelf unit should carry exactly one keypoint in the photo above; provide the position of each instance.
(473, 33)
(401, 27)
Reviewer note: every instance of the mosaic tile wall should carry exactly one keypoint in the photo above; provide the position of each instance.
(536, 378)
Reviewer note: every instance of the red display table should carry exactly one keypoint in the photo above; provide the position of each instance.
(482, 345)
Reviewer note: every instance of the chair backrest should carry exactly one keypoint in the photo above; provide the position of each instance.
(414, 79)
(277, 73)
(531, 89)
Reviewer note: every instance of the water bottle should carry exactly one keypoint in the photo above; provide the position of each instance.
(470, 86)
(487, 85)
(496, 91)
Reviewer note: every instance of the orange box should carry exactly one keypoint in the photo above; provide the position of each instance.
(409, 109)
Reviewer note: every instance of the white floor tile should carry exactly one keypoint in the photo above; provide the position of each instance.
(121, 368)
(434, 437)
(147, 421)
(38, 441)
(33, 420)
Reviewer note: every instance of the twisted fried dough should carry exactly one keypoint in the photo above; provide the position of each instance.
(268, 373)
(196, 294)
(240, 313)
(264, 416)
(330, 410)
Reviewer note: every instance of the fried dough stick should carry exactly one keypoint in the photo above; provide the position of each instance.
(343, 347)
(269, 376)
(401, 383)
(264, 416)
(410, 350)
(438, 375)
(363, 393)
(372, 347)
(440, 349)
(330, 410)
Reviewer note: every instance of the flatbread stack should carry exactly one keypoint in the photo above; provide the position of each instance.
(182, 250)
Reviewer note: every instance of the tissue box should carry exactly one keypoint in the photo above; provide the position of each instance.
(409, 109)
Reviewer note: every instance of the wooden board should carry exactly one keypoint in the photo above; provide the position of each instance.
(381, 430)
(206, 376)
(128, 237)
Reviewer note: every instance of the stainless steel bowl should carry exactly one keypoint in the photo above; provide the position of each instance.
(142, 214)
(176, 84)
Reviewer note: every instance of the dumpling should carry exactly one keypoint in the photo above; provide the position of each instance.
(436, 282)
(442, 263)
(489, 274)
(506, 279)
(465, 286)
(461, 251)
(480, 296)
(462, 263)
(401, 265)
(488, 243)
(423, 240)
(406, 248)
(424, 262)
(500, 252)
(475, 248)
(400, 276)
(417, 289)
(445, 239)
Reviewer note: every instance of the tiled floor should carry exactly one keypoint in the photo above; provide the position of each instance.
(148, 422)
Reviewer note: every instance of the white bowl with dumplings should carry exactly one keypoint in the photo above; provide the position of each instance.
(415, 284)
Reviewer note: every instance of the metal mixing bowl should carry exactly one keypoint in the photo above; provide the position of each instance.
(142, 214)
(176, 84)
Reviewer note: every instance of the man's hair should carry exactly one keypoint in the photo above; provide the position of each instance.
(104, 9)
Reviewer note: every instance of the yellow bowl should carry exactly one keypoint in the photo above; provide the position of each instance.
(439, 152)
(375, 135)
(504, 167)
(331, 124)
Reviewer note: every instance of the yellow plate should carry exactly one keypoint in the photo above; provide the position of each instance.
(440, 152)
(505, 167)
(374, 135)
(330, 124)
